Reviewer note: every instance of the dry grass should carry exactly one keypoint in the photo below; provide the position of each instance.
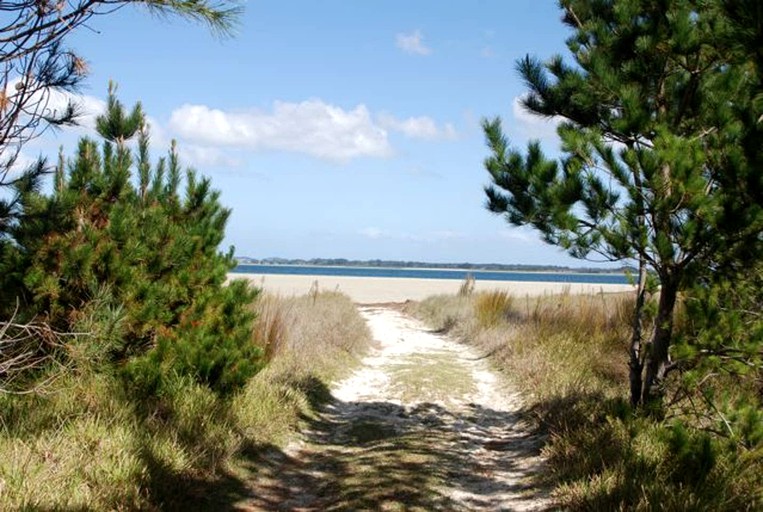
(492, 308)
(324, 329)
(467, 287)
(270, 330)
(316, 338)
(568, 355)
(87, 445)
(552, 344)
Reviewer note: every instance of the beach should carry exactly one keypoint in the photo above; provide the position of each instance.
(371, 290)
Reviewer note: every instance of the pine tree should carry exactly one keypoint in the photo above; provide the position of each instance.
(150, 254)
(661, 152)
(37, 67)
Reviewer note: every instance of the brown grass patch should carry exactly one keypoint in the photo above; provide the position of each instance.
(492, 308)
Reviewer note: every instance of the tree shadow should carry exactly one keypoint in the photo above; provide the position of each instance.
(384, 456)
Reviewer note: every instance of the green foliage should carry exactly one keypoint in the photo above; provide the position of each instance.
(91, 444)
(212, 344)
(691, 454)
(724, 324)
(601, 460)
(138, 266)
(720, 356)
(36, 58)
(661, 141)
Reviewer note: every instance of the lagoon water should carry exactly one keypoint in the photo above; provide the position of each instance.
(426, 273)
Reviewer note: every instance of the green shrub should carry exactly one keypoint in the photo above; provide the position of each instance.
(90, 444)
(118, 251)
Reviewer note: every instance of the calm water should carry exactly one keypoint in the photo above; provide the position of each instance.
(418, 273)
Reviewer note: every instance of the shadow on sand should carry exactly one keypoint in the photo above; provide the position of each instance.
(374, 456)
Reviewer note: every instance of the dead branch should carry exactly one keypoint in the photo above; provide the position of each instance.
(24, 349)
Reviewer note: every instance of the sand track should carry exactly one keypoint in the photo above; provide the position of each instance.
(423, 424)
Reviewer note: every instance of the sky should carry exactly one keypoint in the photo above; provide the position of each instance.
(337, 129)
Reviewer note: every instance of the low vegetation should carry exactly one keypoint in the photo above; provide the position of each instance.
(568, 354)
(86, 443)
(133, 374)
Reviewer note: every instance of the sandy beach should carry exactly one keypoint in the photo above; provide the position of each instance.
(370, 290)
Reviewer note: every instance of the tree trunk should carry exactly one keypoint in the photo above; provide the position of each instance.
(635, 364)
(657, 358)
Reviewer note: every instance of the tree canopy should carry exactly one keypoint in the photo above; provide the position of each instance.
(661, 149)
(132, 262)
(38, 72)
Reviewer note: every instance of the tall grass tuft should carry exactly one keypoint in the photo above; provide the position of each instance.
(493, 307)
(467, 287)
(321, 337)
(270, 331)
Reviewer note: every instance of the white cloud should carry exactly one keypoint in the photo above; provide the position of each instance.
(531, 126)
(311, 127)
(158, 136)
(22, 162)
(524, 234)
(412, 43)
(42, 102)
(421, 127)
(200, 157)
(89, 107)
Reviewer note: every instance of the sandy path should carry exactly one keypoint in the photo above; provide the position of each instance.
(423, 424)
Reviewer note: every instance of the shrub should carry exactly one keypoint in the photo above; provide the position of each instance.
(135, 261)
(91, 444)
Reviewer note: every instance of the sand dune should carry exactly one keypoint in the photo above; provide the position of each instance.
(368, 290)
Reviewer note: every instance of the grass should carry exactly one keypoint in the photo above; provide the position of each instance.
(430, 378)
(491, 308)
(568, 355)
(87, 444)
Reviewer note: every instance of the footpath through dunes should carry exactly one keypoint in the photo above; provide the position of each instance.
(423, 424)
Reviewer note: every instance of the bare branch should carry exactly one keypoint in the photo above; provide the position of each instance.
(26, 348)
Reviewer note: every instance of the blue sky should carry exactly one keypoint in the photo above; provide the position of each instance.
(338, 128)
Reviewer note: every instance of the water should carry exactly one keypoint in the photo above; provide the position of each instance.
(426, 273)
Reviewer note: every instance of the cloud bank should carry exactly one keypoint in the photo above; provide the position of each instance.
(209, 136)
(311, 127)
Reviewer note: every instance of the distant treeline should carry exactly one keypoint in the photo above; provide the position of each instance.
(337, 262)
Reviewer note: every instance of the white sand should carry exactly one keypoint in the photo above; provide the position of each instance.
(369, 290)
(467, 422)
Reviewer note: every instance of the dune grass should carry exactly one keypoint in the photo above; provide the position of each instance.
(568, 355)
(87, 444)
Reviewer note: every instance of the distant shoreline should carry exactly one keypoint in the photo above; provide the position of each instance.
(431, 273)
(367, 290)
(456, 267)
